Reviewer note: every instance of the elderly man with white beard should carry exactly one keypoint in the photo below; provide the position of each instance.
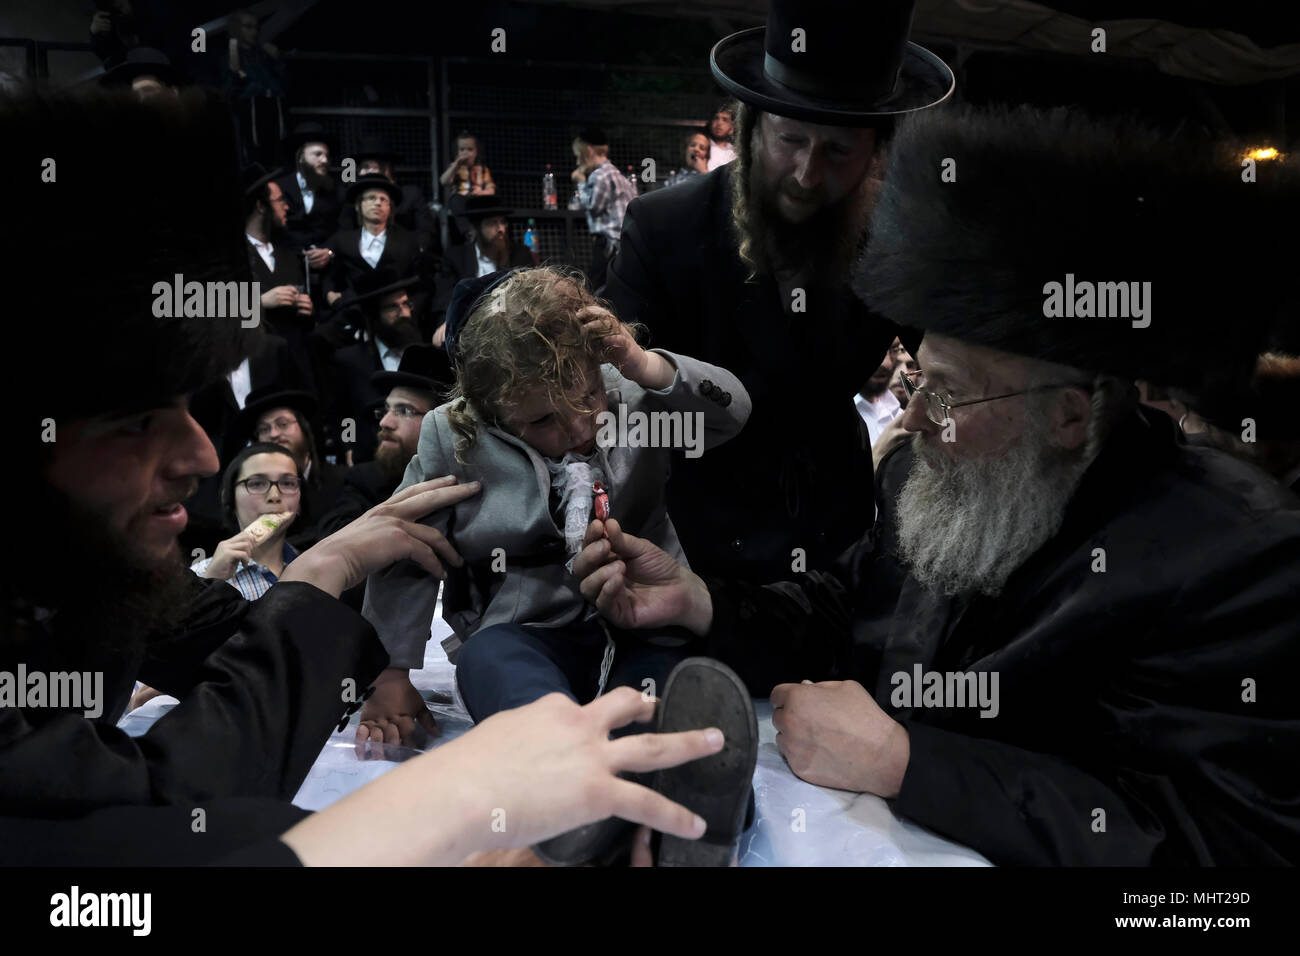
(1070, 638)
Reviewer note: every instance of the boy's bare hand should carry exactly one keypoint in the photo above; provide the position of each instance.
(647, 369)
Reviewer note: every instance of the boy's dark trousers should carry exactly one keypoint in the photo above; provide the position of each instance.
(510, 665)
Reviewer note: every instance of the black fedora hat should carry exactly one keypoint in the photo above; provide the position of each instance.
(141, 61)
(254, 176)
(369, 288)
(838, 62)
(305, 133)
(374, 181)
(425, 367)
(372, 147)
(477, 208)
(264, 399)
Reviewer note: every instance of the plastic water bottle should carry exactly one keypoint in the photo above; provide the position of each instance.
(631, 178)
(530, 240)
(575, 201)
(548, 189)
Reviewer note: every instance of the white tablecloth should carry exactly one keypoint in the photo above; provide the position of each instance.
(835, 828)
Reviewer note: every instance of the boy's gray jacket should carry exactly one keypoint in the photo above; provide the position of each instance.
(512, 513)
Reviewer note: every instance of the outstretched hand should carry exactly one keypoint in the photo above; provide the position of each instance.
(387, 533)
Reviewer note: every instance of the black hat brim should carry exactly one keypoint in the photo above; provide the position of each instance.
(376, 293)
(299, 401)
(394, 191)
(475, 215)
(124, 74)
(924, 80)
(262, 180)
(387, 381)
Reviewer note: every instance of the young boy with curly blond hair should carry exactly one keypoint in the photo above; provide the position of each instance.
(541, 365)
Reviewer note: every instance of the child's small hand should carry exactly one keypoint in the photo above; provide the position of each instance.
(647, 369)
(621, 349)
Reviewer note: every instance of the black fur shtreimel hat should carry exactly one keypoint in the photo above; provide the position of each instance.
(1100, 245)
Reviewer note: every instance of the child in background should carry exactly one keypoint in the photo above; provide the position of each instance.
(537, 359)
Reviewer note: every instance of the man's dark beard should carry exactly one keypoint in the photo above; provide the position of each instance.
(107, 597)
(498, 250)
(316, 183)
(819, 250)
(392, 461)
(400, 335)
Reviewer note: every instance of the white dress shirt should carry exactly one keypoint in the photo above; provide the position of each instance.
(485, 265)
(308, 197)
(264, 249)
(390, 358)
(720, 154)
(372, 247)
(241, 383)
(879, 413)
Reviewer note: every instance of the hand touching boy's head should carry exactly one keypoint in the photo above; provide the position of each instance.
(528, 361)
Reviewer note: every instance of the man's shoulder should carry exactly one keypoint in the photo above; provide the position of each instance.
(358, 355)
(696, 200)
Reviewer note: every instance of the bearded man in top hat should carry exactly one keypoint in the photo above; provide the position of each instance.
(748, 266)
(311, 192)
(1070, 639)
(488, 248)
(411, 392)
(384, 316)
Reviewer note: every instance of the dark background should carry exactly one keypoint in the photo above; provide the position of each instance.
(416, 72)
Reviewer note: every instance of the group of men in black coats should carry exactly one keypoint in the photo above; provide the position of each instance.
(353, 277)
(1045, 627)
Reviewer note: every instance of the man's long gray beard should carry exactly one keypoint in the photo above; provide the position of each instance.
(965, 526)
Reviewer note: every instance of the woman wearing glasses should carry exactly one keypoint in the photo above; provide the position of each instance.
(261, 480)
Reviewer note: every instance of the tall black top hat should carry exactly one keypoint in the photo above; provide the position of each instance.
(839, 62)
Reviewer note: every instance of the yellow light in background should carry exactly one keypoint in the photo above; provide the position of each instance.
(1262, 153)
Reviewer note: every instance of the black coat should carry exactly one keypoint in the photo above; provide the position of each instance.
(286, 321)
(305, 229)
(412, 214)
(351, 395)
(260, 690)
(1119, 690)
(787, 481)
(461, 262)
(324, 482)
(363, 486)
(401, 254)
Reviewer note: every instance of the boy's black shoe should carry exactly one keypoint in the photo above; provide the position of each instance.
(700, 693)
(596, 843)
